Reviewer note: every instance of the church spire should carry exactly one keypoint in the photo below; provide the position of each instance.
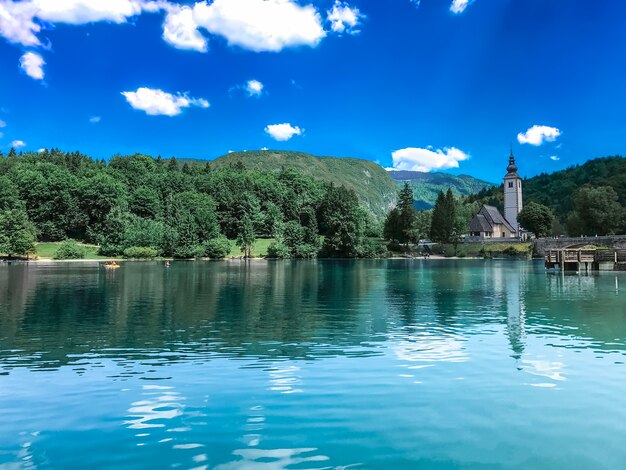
(512, 168)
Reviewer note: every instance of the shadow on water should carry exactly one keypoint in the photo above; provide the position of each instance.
(51, 315)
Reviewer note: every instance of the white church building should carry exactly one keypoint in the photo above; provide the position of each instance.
(489, 223)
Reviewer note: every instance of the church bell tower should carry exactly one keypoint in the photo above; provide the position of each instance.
(512, 194)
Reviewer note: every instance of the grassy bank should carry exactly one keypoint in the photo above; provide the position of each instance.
(259, 250)
(463, 250)
(48, 249)
(486, 250)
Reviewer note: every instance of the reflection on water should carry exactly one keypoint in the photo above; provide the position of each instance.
(320, 364)
(160, 404)
(269, 459)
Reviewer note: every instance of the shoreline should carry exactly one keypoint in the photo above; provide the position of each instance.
(240, 259)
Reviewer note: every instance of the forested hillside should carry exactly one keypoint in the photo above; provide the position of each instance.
(585, 199)
(426, 186)
(158, 206)
(370, 181)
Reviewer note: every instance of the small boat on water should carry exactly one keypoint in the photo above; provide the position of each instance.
(111, 265)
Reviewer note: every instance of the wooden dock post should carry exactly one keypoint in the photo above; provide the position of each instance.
(589, 259)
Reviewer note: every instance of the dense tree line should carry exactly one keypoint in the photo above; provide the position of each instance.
(184, 211)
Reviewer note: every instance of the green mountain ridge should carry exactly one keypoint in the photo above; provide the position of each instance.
(426, 186)
(376, 187)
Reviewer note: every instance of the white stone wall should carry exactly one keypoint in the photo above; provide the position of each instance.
(512, 200)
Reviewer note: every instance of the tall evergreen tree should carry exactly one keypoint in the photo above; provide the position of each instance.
(173, 164)
(407, 214)
(444, 219)
(400, 222)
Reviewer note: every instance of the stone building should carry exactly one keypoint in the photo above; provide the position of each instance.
(489, 222)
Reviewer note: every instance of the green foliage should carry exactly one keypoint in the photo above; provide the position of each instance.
(9, 195)
(343, 223)
(510, 251)
(69, 249)
(373, 248)
(392, 229)
(247, 237)
(597, 211)
(423, 221)
(277, 249)
(306, 251)
(145, 202)
(140, 232)
(111, 236)
(536, 218)
(400, 224)
(293, 234)
(17, 234)
(140, 252)
(217, 248)
(444, 225)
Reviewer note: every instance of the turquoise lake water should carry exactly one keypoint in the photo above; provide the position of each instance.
(311, 364)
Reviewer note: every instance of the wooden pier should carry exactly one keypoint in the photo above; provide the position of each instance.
(586, 260)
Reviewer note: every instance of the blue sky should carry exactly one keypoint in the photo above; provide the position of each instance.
(440, 85)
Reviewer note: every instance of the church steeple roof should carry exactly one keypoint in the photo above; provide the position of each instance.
(512, 168)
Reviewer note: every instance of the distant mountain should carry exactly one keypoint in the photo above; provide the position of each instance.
(555, 190)
(375, 188)
(426, 186)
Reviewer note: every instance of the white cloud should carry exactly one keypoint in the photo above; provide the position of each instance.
(554, 158)
(18, 19)
(283, 132)
(537, 135)
(17, 24)
(264, 148)
(256, 25)
(181, 31)
(158, 102)
(2, 124)
(261, 25)
(18, 143)
(343, 18)
(459, 6)
(95, 119)
(86, 11)
(420, 159)
(32, 64)
(254, 87)
(41, 150)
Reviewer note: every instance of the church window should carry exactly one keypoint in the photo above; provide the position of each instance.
(510, 184)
